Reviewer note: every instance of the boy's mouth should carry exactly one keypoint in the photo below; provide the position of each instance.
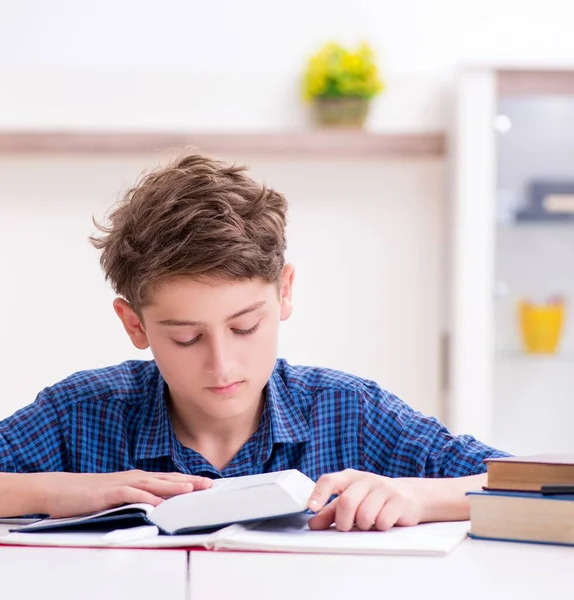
(225, 389)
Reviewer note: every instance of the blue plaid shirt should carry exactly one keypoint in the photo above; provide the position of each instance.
(315, 420)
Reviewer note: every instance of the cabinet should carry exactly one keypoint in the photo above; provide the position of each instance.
(512, 239)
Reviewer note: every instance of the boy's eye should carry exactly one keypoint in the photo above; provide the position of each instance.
(235, 330)
(188, 343)
(246, 331)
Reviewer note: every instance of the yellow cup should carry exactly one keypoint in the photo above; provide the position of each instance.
(541, 326)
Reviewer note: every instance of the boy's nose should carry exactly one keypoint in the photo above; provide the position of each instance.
(218, 362)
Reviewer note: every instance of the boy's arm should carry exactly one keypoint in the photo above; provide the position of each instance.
(70, 494)
(33, 461)
(445, 499)
(399, 441)
(33, 439)
(413, 470)
(17, 496)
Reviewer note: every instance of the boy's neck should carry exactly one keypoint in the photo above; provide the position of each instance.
(217, 440)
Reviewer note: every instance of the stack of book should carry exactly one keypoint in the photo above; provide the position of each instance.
(526, 499)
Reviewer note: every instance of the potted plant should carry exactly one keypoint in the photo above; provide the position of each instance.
(341, 84)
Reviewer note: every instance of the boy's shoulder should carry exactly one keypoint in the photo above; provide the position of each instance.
(313, 379)
(131, 381)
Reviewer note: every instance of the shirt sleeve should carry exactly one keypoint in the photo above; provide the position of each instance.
(32, 439)
(401, 442)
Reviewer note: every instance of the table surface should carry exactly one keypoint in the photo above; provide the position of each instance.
(474, 571)
(92, 574)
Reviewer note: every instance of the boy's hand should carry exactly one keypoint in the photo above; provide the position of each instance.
(366, 500)
(70, 494)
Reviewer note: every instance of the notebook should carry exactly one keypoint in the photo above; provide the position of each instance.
(286, 534)
(229, 500)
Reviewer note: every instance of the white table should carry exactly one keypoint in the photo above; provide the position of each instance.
(92, 574)
(476, 570)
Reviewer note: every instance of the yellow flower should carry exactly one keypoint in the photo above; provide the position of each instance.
(337, 71)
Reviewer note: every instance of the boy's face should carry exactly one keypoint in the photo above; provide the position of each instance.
(215, 342)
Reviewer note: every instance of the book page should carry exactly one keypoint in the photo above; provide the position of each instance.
(229, 484)
(97, 540)
(234, 500)
(292, 534)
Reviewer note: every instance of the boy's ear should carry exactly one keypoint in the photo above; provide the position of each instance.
(132, 323)
(286, 291)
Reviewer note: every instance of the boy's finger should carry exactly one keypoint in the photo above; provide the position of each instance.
(126, 494)
(325, 518)
(163, 488)
(201, 483)
(370, 508)
(389, 515)
(327, 485)
(348, 504)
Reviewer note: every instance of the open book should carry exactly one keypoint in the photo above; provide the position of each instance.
(286, 534)
(229, 500)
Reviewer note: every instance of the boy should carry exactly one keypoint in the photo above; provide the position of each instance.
(195, 253)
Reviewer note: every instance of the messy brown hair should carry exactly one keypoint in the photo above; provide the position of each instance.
(195, 218)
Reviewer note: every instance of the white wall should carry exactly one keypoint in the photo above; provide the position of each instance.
(235, 65)
(367, 296)
(228, 65)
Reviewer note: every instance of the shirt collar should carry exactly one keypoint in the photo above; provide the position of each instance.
(154, 429)
(287, 423)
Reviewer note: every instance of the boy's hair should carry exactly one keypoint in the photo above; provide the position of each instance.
(195, 218)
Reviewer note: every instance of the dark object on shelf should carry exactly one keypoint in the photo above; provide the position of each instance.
(550, 201)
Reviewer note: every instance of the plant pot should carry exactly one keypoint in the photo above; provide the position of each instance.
(344, 111)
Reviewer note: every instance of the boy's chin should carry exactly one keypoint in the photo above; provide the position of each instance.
(230, 408)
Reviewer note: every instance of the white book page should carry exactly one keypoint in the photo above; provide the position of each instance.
(292, 534)
(233, 500)
(230, 484)
(97, 540)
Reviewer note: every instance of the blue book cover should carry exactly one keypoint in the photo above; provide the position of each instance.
(536, 495)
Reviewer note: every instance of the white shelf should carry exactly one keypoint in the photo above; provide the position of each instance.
(534, 225)
(320, 143)
(566, 356)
